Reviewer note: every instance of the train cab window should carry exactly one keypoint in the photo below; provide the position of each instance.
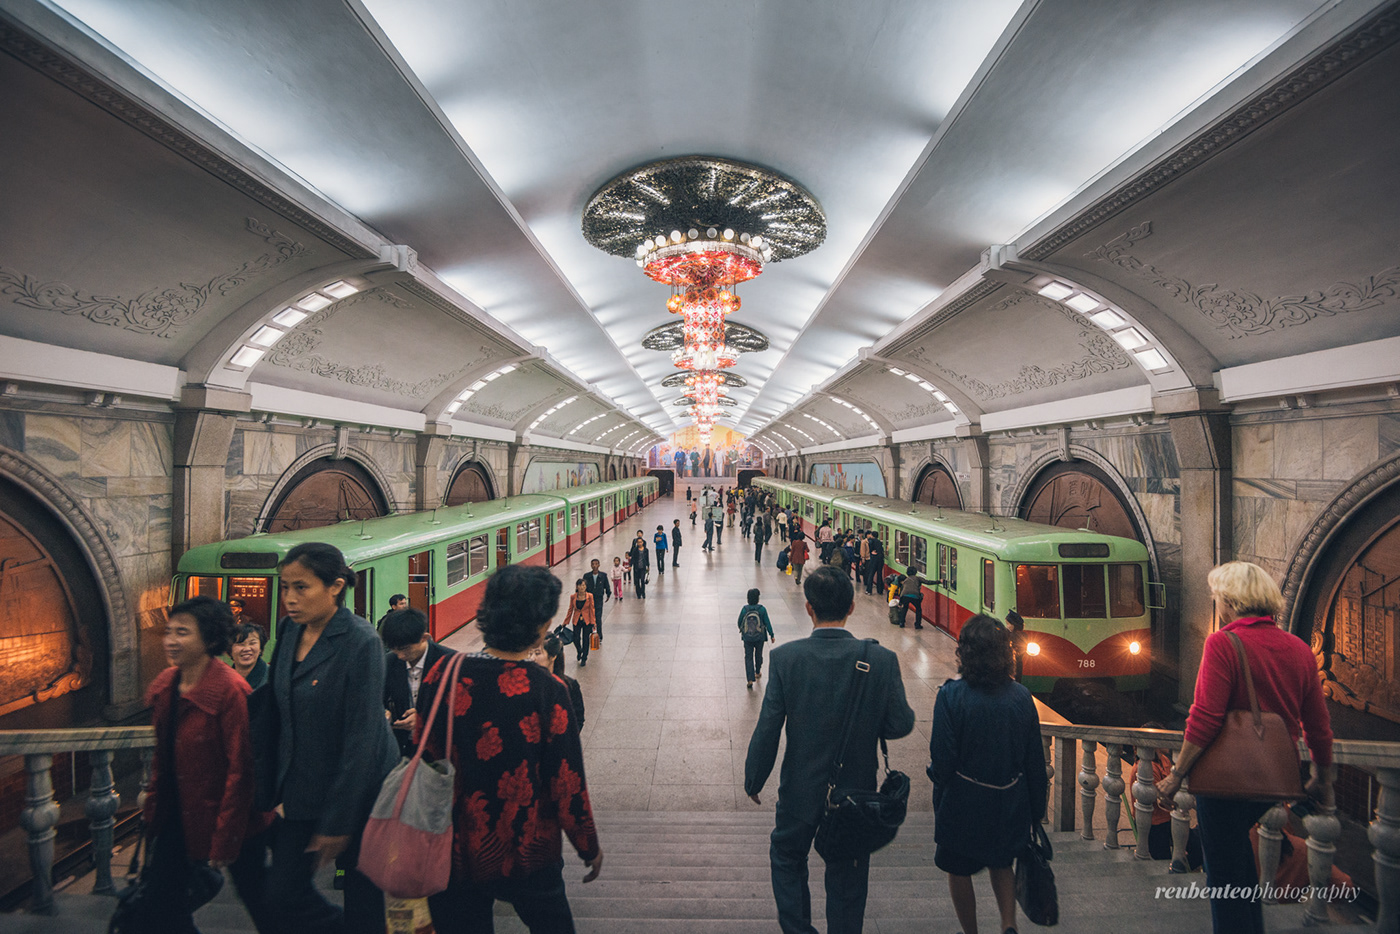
(1038, 591)
(255, 594)
(1084, 592)
(989, 584)
(901, 547)
(1125, 590)
(199, 586)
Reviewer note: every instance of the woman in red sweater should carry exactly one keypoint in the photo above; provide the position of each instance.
(1286, 682)
(519, 767)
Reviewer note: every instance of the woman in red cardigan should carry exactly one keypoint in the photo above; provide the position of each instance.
(201, 791)
(581, 617)
(1286, 682)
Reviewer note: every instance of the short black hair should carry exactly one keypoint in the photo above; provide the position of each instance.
(403, 628)
(830, 592)
(326, 564)
(985, 659)
(214, 619)
(396, 598)
(243, 630)
(520, 600)
(753, 596)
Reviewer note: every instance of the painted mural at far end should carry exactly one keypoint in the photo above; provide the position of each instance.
(853, 477)
(543, 476)
(727, 453)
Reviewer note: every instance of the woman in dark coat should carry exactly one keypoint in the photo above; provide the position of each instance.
(988, 771)
(201, 791)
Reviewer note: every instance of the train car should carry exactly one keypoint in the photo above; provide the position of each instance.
(439, 558)
(592, 510)
(1083, 595)
(812, 504)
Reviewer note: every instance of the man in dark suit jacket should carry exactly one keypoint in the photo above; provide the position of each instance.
(598, 584)
(810, 683)
(411, 656)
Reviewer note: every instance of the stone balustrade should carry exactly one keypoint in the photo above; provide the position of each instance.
(1322, 826)
(40, 815)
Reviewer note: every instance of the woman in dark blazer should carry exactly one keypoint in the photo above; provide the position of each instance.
(988, 770)
(333, 746)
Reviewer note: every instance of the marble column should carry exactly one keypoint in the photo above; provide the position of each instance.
(973, 447)
(1203, 446)
(427, 454)
(204, 423)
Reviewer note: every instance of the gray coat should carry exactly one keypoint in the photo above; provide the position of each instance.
(810, 682)
(334, 746)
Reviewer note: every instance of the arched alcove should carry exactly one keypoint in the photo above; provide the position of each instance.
(937, 487)
(324, 492)
(1076, 494)
(612, 471)
(472, 483)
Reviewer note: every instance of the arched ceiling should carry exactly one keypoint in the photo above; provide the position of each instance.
(1213, 182)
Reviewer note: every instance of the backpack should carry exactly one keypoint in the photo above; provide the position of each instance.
(753, 625)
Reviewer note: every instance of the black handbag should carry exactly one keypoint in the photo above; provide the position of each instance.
(140, 908)
(565, 634)
(857, 822)
(1035, 880)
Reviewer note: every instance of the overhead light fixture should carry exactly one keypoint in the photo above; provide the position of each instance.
(289, 317)
(1108, 319)
(1083, 303)
(247, 355)
(1056, 291)
(266, 336)
(1130, 338)
(452, 409)
(314, 302)
(340, 289)
(938, 394)
(1152, 359)
(896, 371)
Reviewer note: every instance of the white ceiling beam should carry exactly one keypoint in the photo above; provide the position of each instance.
(1131, 401)
(1338, 368)
(283, 401)
(48, 364)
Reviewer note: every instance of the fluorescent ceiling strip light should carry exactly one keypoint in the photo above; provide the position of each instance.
(1152, 359)
(266, 336)
(1056, 291)
(1130, 338)
(289, 317)
(247, 355)
(340, 289)
(314, 302)
(1083, 303)
(1108, 319)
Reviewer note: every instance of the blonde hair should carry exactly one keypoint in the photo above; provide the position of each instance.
(1246, 588)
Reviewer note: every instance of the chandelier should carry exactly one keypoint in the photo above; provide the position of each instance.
(703, 225)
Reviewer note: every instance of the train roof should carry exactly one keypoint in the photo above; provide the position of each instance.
(583, 494)
(1011, 539)
(370, 539)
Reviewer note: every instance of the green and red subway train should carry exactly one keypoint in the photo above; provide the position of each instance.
(1083, 595)
(439, 558)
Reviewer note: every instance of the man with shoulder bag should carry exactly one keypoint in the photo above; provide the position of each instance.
(840, 698)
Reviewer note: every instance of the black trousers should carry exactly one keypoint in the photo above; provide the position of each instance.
(709, 535)
(539, 900)
(583, 641)
(676, 556)
(1229, 860)
(847, 882)
(753, 659)
(289, 894)
(758, 542)
(639, 580)
(661, 561)
(918, 604)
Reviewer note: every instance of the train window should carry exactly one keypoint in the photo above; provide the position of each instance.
(989, 584)
(919, 557)
(573, 518)
(1084, 592)
(952, 569)
(476, 556)
(559, 531)
(901, 547)
(1038, 591)
(942, 566)
(592, 512)
(204, 587)
(1125, 589)
(255, 595)
(361, 595)
(503, 547)
(534, 525)
(522, 539)
(1084, 550)
(456, 563)
(811, 509)
(885, 537)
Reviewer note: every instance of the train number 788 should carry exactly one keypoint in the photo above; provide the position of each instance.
(1086, 663)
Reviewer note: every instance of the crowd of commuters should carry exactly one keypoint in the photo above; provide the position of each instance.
(269, 766)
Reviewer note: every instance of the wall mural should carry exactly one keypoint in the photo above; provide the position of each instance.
(1245, 313)
(542, 476)
(161, 311)
(727, 453)
(1102, 355)
(853, 477)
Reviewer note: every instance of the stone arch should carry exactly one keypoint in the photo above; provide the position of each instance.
(937, 485)
(376, 485)
(473, 481)
(612, 470)
(123, 650)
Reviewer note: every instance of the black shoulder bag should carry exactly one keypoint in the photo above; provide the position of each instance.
(1035, 880)
(856, 823)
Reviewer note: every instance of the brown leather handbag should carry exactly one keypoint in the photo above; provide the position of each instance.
(1253, 757)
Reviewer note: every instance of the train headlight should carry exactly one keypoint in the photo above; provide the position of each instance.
(1032, 648)
(1134, 648)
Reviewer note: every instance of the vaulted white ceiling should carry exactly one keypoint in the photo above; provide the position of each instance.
(474, 132)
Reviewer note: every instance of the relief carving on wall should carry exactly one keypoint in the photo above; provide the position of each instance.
(498, 411)
(1101, 355)
(1244, 313)
(297, 351)
(160, 312)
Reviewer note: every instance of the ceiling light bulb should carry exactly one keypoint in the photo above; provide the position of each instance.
(693, 234)
(756, 242)
(1083, 303)
(728, 234)
(1056, 291)
(743, 238)
(712, 233)
(675, 236)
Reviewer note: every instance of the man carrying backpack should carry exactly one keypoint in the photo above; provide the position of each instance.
(754, 627)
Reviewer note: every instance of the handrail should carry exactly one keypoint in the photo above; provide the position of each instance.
(1360, 753)
(31, 742)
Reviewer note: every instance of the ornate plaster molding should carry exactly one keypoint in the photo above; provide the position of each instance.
(1343, 507)
(1245, 314)
(44, 59)
(957, 306)
(1102, 355)
(1339, 58)
(160, 312)
(498, 411)
(124, 687)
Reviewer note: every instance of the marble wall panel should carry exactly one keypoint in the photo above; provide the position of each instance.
(1388, 435)
(136, 486)
(158, 521)
(55, 443)
(234, 465)
(106, 448)
(12, 430)
(125, 522)
(1298, 450)
(1244, 519)
(152, 449)
(268, 452)
(1163, 516)
(1270, 537)
(1253, 450)
(1350, 445)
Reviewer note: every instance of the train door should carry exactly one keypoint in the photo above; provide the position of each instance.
(364, 606)
(548, 541)
(420, 584)
(502, 548)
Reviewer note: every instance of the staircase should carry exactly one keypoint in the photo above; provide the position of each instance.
(707, 873)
